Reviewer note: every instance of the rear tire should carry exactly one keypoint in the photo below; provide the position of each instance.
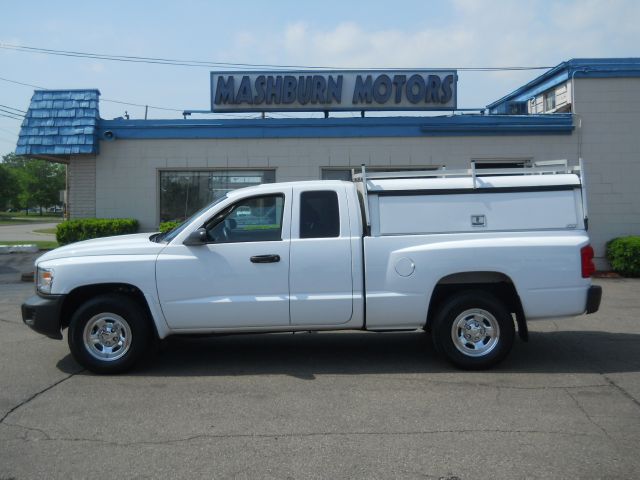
(109, 334)
(473, 330)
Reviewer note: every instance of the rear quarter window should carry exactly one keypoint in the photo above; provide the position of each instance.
(319, 214)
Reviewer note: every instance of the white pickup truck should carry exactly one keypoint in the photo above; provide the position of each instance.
(466, 256)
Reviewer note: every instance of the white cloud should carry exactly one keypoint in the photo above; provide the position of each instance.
(244, 39)
(480, 33)
(96, 67)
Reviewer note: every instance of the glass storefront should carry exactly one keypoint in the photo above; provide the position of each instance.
(183, 192)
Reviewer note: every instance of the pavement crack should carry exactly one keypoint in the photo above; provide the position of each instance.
(587, 416)
(294, 435)
(28, 429)
(37, 394)
(621, 390)
(516, 387)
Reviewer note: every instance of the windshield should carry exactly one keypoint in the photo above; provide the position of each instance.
(167, 237)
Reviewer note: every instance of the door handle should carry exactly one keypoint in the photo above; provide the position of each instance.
(265, 258)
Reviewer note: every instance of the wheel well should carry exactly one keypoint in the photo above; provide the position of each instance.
(495, 283)
(79, 295)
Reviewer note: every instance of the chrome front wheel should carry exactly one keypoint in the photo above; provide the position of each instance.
(107, 336)
(109, 333)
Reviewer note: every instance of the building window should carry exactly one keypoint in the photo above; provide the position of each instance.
(549, 101)
(502, 163)
(336, 174)
(344, 173)
(497, 163)
(183, 192)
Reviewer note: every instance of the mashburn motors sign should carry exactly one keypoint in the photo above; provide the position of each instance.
(350, 90)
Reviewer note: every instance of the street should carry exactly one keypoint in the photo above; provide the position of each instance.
(25, 232)
(329, 405)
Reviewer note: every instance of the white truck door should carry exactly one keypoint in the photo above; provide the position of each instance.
(321, 283)
(240, 278)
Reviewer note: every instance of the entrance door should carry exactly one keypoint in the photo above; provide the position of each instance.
(240, 278)
(321, 285)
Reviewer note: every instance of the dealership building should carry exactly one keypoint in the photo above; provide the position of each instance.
(158, 170)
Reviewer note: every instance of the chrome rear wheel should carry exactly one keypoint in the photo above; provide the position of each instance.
(473, 329)
(475, 332)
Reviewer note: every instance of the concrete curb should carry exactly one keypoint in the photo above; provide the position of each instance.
(26, 248)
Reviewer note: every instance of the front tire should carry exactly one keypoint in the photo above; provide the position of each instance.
(109, 334)
(474, 330)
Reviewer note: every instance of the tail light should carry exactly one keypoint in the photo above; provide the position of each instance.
(586, 258)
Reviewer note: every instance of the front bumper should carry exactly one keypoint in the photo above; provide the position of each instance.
(42, 314)
(594, 295)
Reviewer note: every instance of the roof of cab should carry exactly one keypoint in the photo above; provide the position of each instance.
(269, 187)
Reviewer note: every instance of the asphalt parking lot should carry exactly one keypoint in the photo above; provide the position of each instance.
(345, 405)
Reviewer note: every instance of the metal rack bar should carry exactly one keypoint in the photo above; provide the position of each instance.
(583, 186)
(471, 172)
(365, 194)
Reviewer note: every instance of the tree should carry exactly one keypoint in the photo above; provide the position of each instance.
(38, 181)
(9, 187)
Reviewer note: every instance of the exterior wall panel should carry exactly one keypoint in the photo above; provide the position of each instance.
(127, 170)
(611, 150)
(82, 187)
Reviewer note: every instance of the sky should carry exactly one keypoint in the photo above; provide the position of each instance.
(335, 34)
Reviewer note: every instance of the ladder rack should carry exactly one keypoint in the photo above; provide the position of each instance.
(547, 167)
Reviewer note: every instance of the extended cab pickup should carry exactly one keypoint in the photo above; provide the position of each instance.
(466, 257)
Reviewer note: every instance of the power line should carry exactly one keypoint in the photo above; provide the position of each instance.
(216, 64)
(119, 101)
(3, 110)
(13, 118)
(12, 108)
(9, 115)
(140, 105)
(22, 83)
(102, 99)
(152, 60)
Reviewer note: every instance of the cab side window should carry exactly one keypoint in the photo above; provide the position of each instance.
(319, 214)
(256, 219)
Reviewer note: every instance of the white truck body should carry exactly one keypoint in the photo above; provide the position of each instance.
(395, 249)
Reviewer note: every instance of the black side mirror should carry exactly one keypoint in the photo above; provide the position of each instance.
(198, 237)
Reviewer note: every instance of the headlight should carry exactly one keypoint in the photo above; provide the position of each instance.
(44, 280)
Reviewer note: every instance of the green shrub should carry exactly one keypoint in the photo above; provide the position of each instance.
(168, 226)
(624, 255)
(83, 229)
